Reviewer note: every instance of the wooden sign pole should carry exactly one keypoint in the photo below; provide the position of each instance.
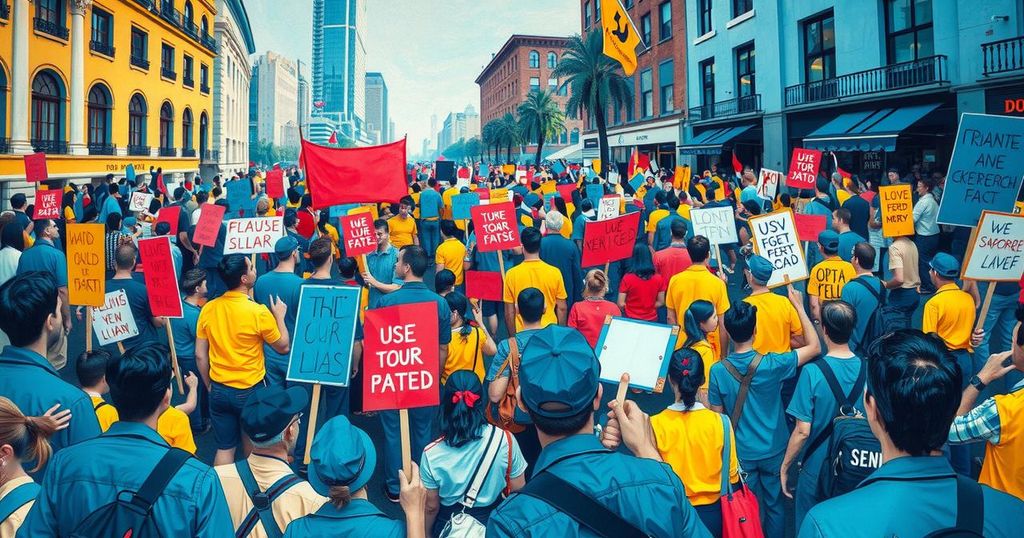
(88, 329)
(174, 357)
(403, 421)
(501, 263)
(120, 347)
(985, 304)
(314, 407)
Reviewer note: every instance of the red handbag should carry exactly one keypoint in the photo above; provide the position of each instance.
(741, 517)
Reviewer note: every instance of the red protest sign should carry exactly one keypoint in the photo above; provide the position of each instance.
(357, 233)
(170, 215)
(803, 168)
(485, 194)
(610, 240)
(485, 285)
(35, 167)
(565, 191)
(808, 226)
(400, 357)
(275, 183)
(208, 226)
(47, 204)
(495, 226)
(463, 173)
(159, 272)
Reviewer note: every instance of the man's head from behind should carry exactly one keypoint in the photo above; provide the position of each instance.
(125, 257)
(140, 382)
(740, 321)
(236, 271)
(30, 309)
(321, 252)
(412, 262)
(530, 237)
(838, 319)
(91, 368)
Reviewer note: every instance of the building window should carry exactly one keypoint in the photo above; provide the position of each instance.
(137, 121)
(646, 94)
(707, 82)
(745, 71)
(102, 24)
(187, 65)
(47, 101)
(908, 30)
(666, 84)
(204, 78)
(167, 61)
(99, 115)
(628, 4)
(140, 53)
(205, 26)
(166, 126)
(820, 48)
(665, 21)
(552, 60)
(534, 59)
(704, 17)
(740, 7)
(50, 12)
(586, 14)
(188, 14)
(186, 129)
(203, 126)
(552, 85)
(645, 29)
(597, 10)
(534, 84)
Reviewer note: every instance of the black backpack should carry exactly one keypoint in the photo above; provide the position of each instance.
(884, 319)
(970, 512)
(130, 515)
(262, 501)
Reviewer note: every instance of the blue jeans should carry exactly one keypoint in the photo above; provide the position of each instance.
(927, 248)
(277, 368)
(999, 323)
(226, 409)
(202, 412)
(422, 431)
(763, 480)
(711, 516)
(806, 494)
(906, 300)
(430, 236)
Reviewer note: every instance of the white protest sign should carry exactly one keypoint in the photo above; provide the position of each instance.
(997, 250)
(768, 183)
(113, 322)
(775, 237)
(718, 224)
(608, 208)
(639, 348)
(140, 201)
(253, 236)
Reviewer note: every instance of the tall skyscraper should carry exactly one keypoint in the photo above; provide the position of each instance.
(377, 118)
(304, 98)
(277, 99)
(339, 64)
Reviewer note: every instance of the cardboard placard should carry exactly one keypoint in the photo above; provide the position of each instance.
(495, 226)
(35, 167)
(768, 183)
(325, 329)
(239, 194)
(358, 234)
(48, 204)
(595, 193)
(253, 236)
(462, 203)
(140, 201)
(608, 207)
(113, 321)
(640, 348)
(718, 224)
(985, 170)
(444, 171)
(208, 225)
(897, 209)
(996, 252)
(275, 183)
(336, 211)
(400, 357)
(160, 276)
(501, 195)
(169, 214)
(609, 240)
(129, 173)
(775, 237)
(484, 285)
(549, 200)
(809, 226)
(86, 264)
(803, 168)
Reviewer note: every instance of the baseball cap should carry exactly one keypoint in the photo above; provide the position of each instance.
(341, 455)
(760, 268)
(945, 265)
(558, 375)
(285, 245)
(829, 240)
(269, 410)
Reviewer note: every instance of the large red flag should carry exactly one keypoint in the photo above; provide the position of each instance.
(336, 176)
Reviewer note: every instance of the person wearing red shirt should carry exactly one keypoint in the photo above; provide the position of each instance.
(307, 223)
(642, 290)
(674, 259)
(587, 316)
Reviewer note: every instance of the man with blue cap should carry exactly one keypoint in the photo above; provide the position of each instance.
(559, 389)
(282, 283)
(778, 323)
(828, 277)
(342, 460)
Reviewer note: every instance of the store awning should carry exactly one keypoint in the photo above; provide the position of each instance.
(570, 153)
(710, 142)
(868, 130)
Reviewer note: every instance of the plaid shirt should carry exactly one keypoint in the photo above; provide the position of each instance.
(980, 424)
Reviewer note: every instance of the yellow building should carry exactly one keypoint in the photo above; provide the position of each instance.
(99, 84)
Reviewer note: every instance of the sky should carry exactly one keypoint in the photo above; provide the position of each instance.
(429, 51)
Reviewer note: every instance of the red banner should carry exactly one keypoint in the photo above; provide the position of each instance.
(161, 277)
(495, 227)
(35, 167)
(336, 176)
(803, 168)
(610, 240)
(485, 285)
(808, 226)
(170, 215)
(48, 204)
(208, 226)
(565, 191)
(400, 357)
(275, 183)
(357, 234)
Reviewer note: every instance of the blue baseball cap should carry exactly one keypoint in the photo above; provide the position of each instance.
(341, 455)
(269, 410)
(286, 245)
(760, 268)
(558, 375)
(945, 265)
(829, 240)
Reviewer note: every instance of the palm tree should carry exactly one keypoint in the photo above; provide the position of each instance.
(540, 119)
(508, 134)
(595, 82)
(490, 137)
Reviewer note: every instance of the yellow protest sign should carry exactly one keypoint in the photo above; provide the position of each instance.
(681, 180)
(508, 169)
(897, 210)
(86, 267)
(596, 165)
(499, 194)
(547, 187)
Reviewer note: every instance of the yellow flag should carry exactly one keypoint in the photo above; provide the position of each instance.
(596, 165)
(620, 35)
(681, 180)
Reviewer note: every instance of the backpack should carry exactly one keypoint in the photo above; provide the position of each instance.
(741, 394)
(462, 524)
(505, 416)
(130, 515)
(970, 512)
(884, 319)
(261, 501)
(16, 498)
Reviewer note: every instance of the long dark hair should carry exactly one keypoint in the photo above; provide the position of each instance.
(460, 420)
(641, 264)
(458, 303)
(686, 372)
(699, 312)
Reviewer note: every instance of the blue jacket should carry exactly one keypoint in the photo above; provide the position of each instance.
(644, 492)
(82, 478)
(359, 518)
(564, 255)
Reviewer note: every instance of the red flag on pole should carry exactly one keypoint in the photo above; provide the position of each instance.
(334, 138)
(336, 176)
(737, 166)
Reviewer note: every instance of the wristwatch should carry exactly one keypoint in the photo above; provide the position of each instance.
(977, 383)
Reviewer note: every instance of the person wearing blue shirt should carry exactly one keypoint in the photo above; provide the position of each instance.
(82, 478)
(847, 237)
(431, 207)
(111, 203)
(31, 315)
(380, 275)
(283, 284)
(814, 406)
(138, 298)
(193, 286)
(912, 394)
(46, 257)
(820, 205)
(559, 388)
(210, 257)
(760, 425)
(561, 253)
(865, 293)
(663, 230)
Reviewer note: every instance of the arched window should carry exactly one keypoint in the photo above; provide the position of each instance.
(137, 125)
(205, 26)
(100, 105)
(574, 138)
(552, 60)
(187, 12)
(204, 123)
(47, 102)
(534, 59)
(186, 129)
(166, 126)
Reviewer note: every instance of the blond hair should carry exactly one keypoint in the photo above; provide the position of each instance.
(596, 282)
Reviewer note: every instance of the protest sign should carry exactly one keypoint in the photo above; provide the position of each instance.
(549, 200)
(35, 167)
(400, 357)
(86, 264)
(113, 321)
(985, 170)
(495, 227)
(275, 183)
(358, 234)
(565, 191)
(608, 207)
(595, 193)
(240, 195)
(548, 187)
(639, 348)
(462, 173)
(803, 168)
(444, 171)
(484, 285)
(483, 170)
(325, 329)
(501, 195)
(809, 226)
(129, 173)
(140, 201)
(996, 252)
(159, 273)
(253, 235)
(897, 210)
(768, 183)
(775, 237)
(337, 211)
(462, 203)
(170, 215)
(718, 224)
(48, 204)
(508, 169)
(208, 227)
(609, 240)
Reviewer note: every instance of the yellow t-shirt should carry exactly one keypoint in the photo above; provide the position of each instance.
(696, 282)
(452, 253)
(446, 197)
(777, 321)
(535, 274)
(173, 426)
(236, 328)
(106, 414)
(684, 211)
(69, 215)
(1004, 462)
(708, 357)
(691, 442)
(842, 196)
(656, 216)
(950, 314)
(828, 278)
(465, 353)
(402, 230)
(416, 208)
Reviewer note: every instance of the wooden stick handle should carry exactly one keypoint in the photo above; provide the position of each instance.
(88, 329)
(403, 420)
(174, 357)
(985, 304)
(501, 263)
(314, 407)
(120, 347)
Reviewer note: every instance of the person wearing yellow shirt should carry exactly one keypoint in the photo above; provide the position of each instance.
(469, 343)
(446, 197)
(656, 216)
(173, 424)
(778, 324)
(451, 253)
(828, 277)
(697, 282)
(91, 368)
(402, 226)
(534, 273)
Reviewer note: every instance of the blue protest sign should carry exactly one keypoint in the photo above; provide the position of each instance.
(325, 329)
(558, 168)
(985, 170)
(548, 197)
(129, 173)
(341, 210)
(636, 181)
(240, 196)
(483, 171)
(595, 193)
(461, 204)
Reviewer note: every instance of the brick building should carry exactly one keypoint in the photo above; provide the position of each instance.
(523, 64)
(653, 122)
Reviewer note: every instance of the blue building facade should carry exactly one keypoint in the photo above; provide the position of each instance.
(339, 65)
(879, 83)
